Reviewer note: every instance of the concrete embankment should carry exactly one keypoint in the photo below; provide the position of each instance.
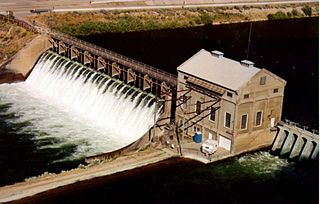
(21, 64)
(51, 181)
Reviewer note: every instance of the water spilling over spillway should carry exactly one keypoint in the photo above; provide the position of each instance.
(63, 104)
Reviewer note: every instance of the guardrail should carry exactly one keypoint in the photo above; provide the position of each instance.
(299, 126)
(19, 22)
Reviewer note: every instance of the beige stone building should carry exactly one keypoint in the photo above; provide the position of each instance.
(232, 102)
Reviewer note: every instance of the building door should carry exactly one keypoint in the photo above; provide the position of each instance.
(210, 136)
(225, 143)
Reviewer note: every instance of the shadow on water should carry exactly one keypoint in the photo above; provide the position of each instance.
(248, 179)
(22, 155)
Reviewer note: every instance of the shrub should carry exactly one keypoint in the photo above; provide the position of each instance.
(278, 15)
(295, 12)
(206, 18)
(307, 10)
(289, 14)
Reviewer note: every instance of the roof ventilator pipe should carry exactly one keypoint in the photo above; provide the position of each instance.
(217, 53)
(247, 63)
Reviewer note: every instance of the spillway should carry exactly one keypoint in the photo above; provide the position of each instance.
(63, 104)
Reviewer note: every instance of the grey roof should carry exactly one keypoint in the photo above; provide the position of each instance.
(218, 69)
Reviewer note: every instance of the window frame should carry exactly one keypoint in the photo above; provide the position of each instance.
(196, 128)
(214, 119)
(198, 104)
(225, 120)
(261, 117)
(241, 122)
(229, 94)
(263, 80)
(184, 102)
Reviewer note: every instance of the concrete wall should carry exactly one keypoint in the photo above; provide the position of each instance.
(254, 97)
(251, 98)
(26, 58)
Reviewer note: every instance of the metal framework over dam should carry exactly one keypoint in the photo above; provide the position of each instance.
(115, 65)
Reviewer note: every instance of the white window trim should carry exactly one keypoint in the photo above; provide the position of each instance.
(224, 120)
(196, 128)
(246, 127)
(255, 118)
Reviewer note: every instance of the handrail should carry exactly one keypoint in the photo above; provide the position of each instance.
(139, 66)
(147, 69)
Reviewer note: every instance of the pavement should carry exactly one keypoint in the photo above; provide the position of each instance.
(21, 8)
(51, 181)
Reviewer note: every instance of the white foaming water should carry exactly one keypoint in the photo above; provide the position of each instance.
(263, 163)
(67, 102)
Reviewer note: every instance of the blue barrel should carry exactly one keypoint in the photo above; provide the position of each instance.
(197, 138)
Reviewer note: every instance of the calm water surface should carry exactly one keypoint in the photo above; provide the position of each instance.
(288, 48)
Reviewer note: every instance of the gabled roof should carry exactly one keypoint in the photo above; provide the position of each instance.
(218, 69)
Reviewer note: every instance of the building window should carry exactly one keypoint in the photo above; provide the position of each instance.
(196, 128)
(227, 120)
(275, 90)
(245, 96)
(244, 121)
(229, 94)
(185, 77)
(198, 107)
(184, 102)
(212, 114)
(258, 118)
(263, 80)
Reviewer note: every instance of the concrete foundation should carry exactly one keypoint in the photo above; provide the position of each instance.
(22, 63)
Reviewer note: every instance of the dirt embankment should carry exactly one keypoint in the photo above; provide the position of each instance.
(12, 39)
(86, 23)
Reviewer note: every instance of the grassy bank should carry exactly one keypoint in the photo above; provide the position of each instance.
(12, 39)
(87, 23)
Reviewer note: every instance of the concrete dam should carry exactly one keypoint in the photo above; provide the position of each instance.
(70, 104)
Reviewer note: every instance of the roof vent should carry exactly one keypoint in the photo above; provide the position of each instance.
(247, 63)
(217, 53)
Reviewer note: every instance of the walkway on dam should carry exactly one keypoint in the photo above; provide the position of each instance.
(47, 182)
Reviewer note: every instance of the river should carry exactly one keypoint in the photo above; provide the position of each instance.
(288, 48)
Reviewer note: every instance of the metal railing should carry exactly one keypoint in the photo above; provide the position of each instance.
(19, 22)
(99, 51)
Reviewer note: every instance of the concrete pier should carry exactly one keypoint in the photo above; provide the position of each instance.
(279, 139)
(288, 144)
(297, 146)
(294, 142)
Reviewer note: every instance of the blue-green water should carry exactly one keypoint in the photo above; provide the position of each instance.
(253, 178)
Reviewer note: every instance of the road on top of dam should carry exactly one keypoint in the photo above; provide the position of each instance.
(21, 8)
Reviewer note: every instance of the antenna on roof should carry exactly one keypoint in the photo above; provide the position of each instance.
(249, 38)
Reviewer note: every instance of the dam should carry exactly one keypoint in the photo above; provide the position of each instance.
(102, 114)
(50, 142)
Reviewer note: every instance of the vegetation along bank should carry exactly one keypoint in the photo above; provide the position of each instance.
(87, 23)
